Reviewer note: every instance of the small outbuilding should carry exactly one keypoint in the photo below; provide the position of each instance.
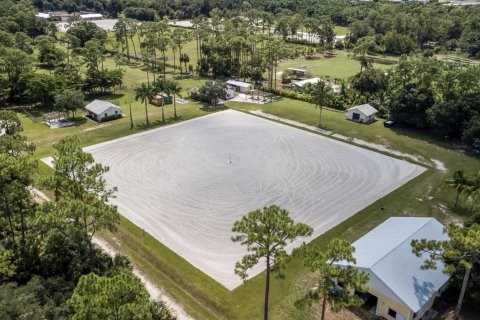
(299, 73)
(364, 113)
(239, 86)
(100, 110)
(161, 99)
(91, 16)
(398, 288)
(300, 84)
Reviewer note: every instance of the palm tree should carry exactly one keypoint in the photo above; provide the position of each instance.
(459, 182)
(321, 94)
(175, 89)
(163, 42)
(145, 93)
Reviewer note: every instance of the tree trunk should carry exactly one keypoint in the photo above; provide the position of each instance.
(146, 110)
(131, 119)
(174, 62)
(320, 117)
(267, 290)
(163, 113)
(134, 48)
(174, 107)
(164, 66)
(154, 65)
(126, 45)
(324, 307)
(180, 58)
(456, 314)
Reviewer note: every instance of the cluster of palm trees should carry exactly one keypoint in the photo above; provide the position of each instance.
(146, 92)
(241, 46)
(464, 184)
(155, 39)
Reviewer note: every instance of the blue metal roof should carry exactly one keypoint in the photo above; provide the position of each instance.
(386, 254)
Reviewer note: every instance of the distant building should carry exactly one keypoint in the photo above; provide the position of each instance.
(364, 113)
(299, 73)
(90, 16)
(161, 99)
(398, 288)
(239, 86)
(54, 16)
(301, 84)
(99, 110)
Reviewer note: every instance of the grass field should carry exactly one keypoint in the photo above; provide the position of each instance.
(205, 299)
(340, 30)
(91, 132)
(339, 65)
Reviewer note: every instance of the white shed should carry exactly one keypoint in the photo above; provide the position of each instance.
(301, 84)
(91, 16)
(239, 86)
(364, 113)
(99, 110)
(398, 288)
(298, 72)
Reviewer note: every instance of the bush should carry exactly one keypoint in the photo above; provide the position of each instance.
(336, 103)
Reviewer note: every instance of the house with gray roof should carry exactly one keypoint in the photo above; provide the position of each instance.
(100, 110)
(239, 86)
(364, 113)
(301, 84)
(398, 288)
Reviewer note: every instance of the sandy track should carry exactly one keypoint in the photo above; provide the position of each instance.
(177, 182)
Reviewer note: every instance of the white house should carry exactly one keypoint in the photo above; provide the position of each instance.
(301, 84)
(44, 15)
(239, 86)
(398, 288)
(364, 113)
(99, 110)
(91, 16)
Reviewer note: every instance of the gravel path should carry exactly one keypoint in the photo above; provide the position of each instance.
(186, 184)
(155, 292)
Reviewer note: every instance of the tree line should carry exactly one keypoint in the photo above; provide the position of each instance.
(49, 266)
(422, 93)
(82, 46)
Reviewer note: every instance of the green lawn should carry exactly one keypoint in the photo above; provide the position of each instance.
(190, 48)
(426, 195)
(91, 132)
(206, 299)
(202, 296)
(339, 65)
(340, 30)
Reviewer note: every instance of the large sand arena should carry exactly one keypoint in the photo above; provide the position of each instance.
(186, 184)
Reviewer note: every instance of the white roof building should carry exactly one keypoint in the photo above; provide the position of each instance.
(239, 83)
(100, 110)
(44, 15)
(301, 84)
(364, 113)
(403, 289)
(366, 109)
(239, 86)
(91, 16)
